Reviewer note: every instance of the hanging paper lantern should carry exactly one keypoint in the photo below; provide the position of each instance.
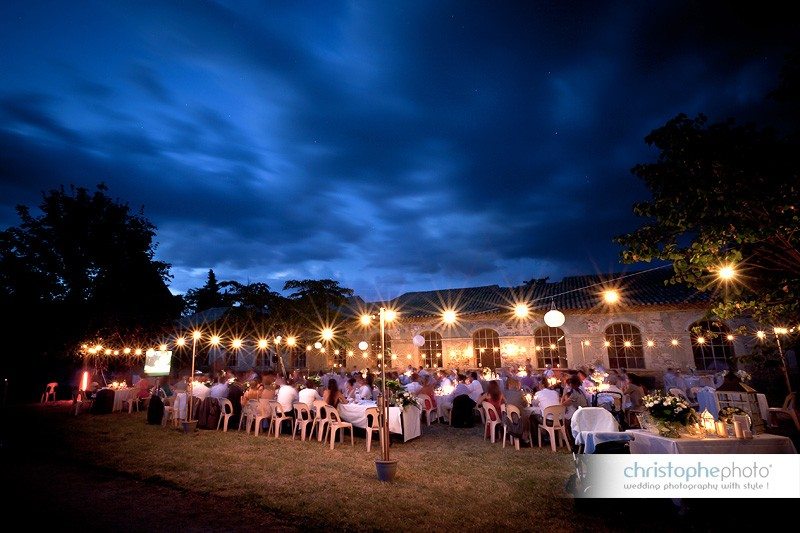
(554, 318)
(418, 340)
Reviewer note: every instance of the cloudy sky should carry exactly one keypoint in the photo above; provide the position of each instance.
(392, 146)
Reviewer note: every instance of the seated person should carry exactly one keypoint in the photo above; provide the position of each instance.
(219, 389)
(332, 395)
(544, 398)
(309, 394)
(414, 384)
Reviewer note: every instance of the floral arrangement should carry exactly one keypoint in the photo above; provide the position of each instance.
(316, 380)
(726, 414)
(392, 385)
(669, 408)
(744, 377)
(403, 398)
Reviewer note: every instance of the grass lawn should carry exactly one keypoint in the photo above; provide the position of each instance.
(449, 479)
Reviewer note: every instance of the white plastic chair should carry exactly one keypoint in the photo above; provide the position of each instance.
(249, 412)
(49, 394)
(493, 418)
(789, 409)
(335, 423)
(302, 418)
(554, 414)
(514, 414)
(226, 411)
(278, 417)
(426, 405)
(374, 426)
(264, 411)
(320, 419)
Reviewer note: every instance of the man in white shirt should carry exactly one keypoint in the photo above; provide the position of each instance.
(308, 395)
(475, 387)
(219, 390)
(414, 386)
(363, 391)
(199, 390)
(545, 398)
(444, 381)
(286, 396)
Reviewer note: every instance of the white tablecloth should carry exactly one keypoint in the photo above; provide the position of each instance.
(409, 426)
(645, 442)
(120, 395)
(707, 399)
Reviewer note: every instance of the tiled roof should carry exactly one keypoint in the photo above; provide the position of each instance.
(637, 289)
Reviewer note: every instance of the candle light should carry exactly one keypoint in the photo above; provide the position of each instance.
(708, 422)
(737, 429)
(721, 430)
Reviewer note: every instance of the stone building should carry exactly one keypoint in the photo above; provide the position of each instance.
(650, 328)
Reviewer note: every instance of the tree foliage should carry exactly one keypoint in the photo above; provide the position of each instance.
(82, 267)
(724, 194)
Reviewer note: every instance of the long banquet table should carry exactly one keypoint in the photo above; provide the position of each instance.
(645, 442)
(405, 422)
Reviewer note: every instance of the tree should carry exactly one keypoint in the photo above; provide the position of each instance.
(206, 297)
(724, 195)
(84, 267)
(323, 296)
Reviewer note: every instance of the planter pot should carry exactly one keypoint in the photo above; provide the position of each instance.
(386, 470)
(189, 426)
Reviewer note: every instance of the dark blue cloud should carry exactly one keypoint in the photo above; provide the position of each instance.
(393, 146)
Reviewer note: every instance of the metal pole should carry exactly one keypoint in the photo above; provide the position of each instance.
(784, 366)
(190, 396)
(385, 421)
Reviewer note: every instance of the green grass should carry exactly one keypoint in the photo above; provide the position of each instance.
(448, 479)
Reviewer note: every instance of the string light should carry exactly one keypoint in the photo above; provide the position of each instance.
(650, 344)
(760, 334)
(674, 342)
(215, 340)
(291, 341)
(449, 316)
(700, 340)
(521, 310)
(262, 344)
(196, 334)
(730, 337)
(610, 296)
(236, 344)
(726, 272)
(327, 334)
(365, 320)
(389, 315)
(180, 341)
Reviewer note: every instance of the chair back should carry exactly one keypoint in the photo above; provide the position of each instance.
(491, 413)
(264, 409)
(226, 406)
(301, 411)
(277, 409)
(51, 387)
(333, 414)
(513, 413)
(427, 403)
(374, 421)
(317, 405)
(556, 414)
(790, 402)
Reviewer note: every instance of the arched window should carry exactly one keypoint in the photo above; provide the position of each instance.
(551, 347)
(431, 352)
(712, 345)
(486, 348)
(375, 345)
(624, 342)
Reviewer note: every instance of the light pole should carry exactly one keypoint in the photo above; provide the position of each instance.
(195, 337)
(385, 404)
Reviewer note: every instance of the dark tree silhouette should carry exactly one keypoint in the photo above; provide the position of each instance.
(82, 268)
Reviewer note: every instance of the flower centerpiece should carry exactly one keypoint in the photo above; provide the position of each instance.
(403, 398)
(315, 379)
(392, 386)
(669, 415)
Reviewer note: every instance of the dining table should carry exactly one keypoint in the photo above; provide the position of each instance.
(645, 442)
(402, 421)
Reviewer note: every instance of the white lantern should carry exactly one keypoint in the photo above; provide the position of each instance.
(554, 318)
(418, 340)
(317, 345)
(363, 346)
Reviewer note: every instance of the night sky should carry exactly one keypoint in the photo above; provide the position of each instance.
(392, 146)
